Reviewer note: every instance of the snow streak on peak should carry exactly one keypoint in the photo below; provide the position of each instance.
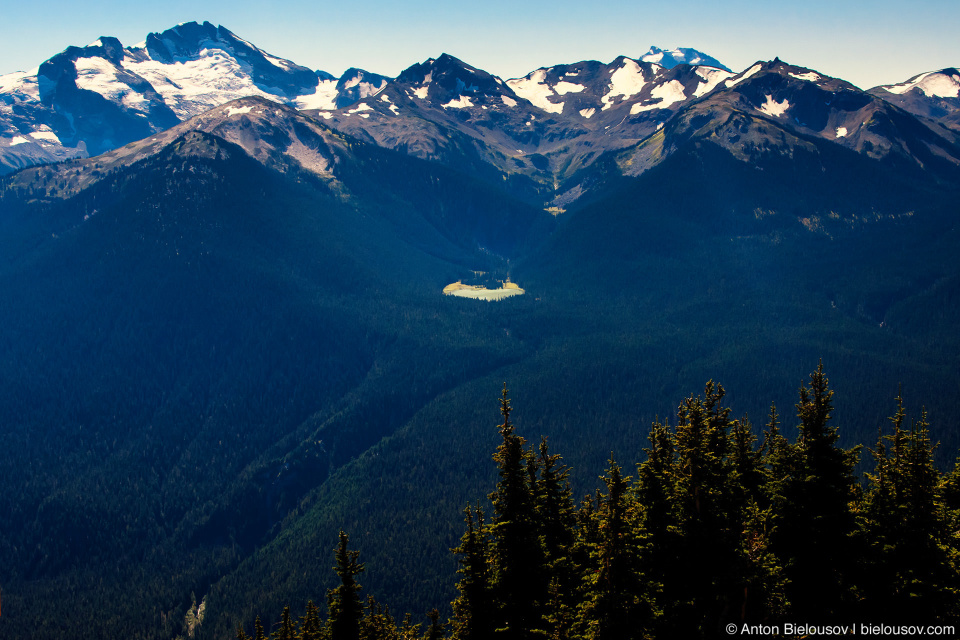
(933, 84)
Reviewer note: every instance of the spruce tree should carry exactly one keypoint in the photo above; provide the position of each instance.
(435, 628)
(556, 522)
(344, 608)
(286, 630)
(618, 601)
(473, 608)
(910, 571)
(377, 623)
(518, 572)
(310, 626)
(816, 518)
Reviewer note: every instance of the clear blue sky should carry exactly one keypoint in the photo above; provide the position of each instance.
(867, 43)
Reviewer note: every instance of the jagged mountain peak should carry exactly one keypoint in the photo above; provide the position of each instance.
(449, 81)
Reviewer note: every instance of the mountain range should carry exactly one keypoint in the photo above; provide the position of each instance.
(225, 334)
(543, 127)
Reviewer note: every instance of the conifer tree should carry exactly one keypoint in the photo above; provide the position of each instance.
(707, 512)
(377, 623)
(286, 630)
(911, 570)
(516, 553)
(618, 600)
(816, 521)
(556, 522)
(435, 628)
(344, 608)
(310, 626)
(473, 608)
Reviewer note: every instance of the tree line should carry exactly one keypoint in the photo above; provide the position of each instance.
(719, 525)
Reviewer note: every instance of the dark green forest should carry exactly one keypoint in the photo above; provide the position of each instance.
(716, 526)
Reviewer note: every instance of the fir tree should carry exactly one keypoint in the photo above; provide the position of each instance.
(344, 608)
(310, 625)
(816, 522)
(516, 554)
(286, 630)
(434, 629)
(377, 623)
(472, 609)
(910, 572)
(618, 601)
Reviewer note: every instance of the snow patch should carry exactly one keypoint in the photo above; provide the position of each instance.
(774, 108)
(933, 84)
(45, 134)
(421, 92)
(510, 102)
(385, 98)
(535, 89)
(841, 132)
(460, 103)
(586, 113)
(563, 87)
(323, 97)
(18, 140)
(746, 74)
(669, 93)
(236, 111)
(627, 81)
(810, 76)
(395, 109)
(189, 87)
(363, 106)
(710, 78)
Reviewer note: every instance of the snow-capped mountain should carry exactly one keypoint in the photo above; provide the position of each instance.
(537, 132)
(777, 108)
(935, 94)
(682, 55)
(87, 100)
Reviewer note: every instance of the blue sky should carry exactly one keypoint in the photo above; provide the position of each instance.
(867, 43)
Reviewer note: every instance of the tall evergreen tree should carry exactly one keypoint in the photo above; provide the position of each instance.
(911, 571)
(816, 517)
(344, 608)
(286, 630)
(619, 598)
(556, 521)
(473, 608)
(518, 566)
(311, 627)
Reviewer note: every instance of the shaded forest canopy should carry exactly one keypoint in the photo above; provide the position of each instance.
(721, 524)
